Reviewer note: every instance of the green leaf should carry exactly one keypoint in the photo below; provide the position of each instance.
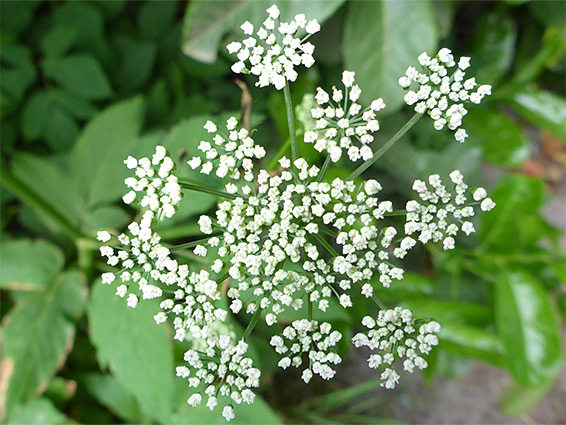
(444, 311)
(542, 108)
(96, 161)
(106, 217)
(39, 334)
(80, 74)
(39, 411)
(35, 118)
(155, 18)
(53, 186)
(517, 400)
(473, 342)
(27, 265)
(109, 392)
(205, 22)
(503, 143)
(400, 31)
(136, 60)
(58, 40)
(517, 199)
(494, 47)
(257, 413)
(16, 16)
(551, 12)
(62, 131)
(138, 351)
(526, 322)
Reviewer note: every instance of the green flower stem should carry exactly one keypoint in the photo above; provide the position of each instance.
(325, 243)
(191, 244)
(324, 168)
(223, 278)
(31, 198)
(395, 213)
(309, 307)
(291, 122)
(197, 188)
(252, 323)
(279, 155)
(381, 151)
(378, 302)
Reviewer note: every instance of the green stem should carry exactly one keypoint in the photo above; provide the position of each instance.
(381, 151)
(279, 155)
(291, 123)
(378, 302)
(197, 188)
(325, 243)
(395, 213)
(324, 168)
(191, 244)
(30, 197)
(252, 323)
(222, 278)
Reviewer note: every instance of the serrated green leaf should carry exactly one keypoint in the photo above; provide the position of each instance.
(528, 328)
(542, 108)
(39, 333)
(205, 23)
(111, 393)
(138, 351)
(39, 411)
(80, 74)
(502, 141)
(96, 160)
(400, 32)
(27, 265)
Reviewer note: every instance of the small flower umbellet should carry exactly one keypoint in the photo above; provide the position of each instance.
(290, 238)
(441, 95)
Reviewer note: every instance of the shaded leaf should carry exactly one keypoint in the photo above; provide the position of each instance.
(27, 265)
(517, 400)
(39, 411)
(473, 342)
(528, 328)
(80, 74)
(111, 393)
(400, 32)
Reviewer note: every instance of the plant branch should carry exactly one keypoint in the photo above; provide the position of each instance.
(291, 122)
(197, 188)
(381, 151)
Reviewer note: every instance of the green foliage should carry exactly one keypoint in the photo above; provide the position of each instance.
(85, 84)
(138, 352)
(381, 56)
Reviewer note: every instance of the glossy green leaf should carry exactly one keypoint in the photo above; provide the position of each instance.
(39, 411)
(111, 393)
(381, 39)
(502, 141)
(527, 325)
(472, 342)
(206, 23)
(138, 351)
(517, 199)
(96, 160)
(39, 333)
(80, 74)
(27, 265)
(542, 108)
(494, 47)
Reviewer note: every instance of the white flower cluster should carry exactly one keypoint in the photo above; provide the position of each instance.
(306, 336)
(284, 219)
(343, 120)
(273, 52)
(224, 371)
(229, 153)
(442, 95)
(145, 263)
(445, 213)
(161, 190)
(397, 334)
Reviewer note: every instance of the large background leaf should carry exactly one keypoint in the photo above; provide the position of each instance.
(381, 39)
